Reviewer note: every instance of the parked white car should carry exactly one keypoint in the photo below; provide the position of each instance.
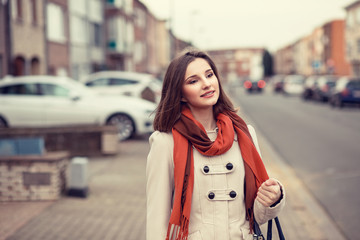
(43, 101)
(293, 85)
(125, 83)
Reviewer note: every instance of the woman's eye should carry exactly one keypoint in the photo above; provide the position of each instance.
(210, 75)
(192, 81)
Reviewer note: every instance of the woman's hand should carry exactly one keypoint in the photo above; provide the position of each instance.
(269, 192)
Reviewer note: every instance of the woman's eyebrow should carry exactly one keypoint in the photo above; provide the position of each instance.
(208, 70)
(190, 77)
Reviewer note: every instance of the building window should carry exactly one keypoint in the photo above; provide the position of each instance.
(116, 3)
(35, 66)
(33, 11)
(17, 10)
(19, 66)
(55, 23)
(78, 7)
(96, 34)
(79, 30)
(128, 6)
(116, 29)
(129, 43)
(245, 66)
(349, 20)
(348, 50)
(96, 11)
(357, 15)
(138, 52)
(140, 19)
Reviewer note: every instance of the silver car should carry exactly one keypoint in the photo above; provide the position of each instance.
(135, 84)
(52, 101)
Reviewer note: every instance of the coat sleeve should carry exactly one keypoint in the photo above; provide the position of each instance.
(262, 213)
(159, 185)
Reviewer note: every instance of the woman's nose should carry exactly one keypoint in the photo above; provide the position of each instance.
(206, 82)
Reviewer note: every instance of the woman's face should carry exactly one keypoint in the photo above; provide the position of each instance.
(201, 87)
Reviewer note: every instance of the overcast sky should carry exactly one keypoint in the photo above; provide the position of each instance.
(220, 24)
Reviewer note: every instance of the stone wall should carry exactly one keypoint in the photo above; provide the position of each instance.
(33, 177)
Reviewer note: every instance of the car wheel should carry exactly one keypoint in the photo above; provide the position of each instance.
(3, 123)
(124, 124)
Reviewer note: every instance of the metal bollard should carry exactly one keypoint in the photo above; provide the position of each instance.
(78, 179)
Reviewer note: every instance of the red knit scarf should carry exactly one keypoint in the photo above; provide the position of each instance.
(188, 132)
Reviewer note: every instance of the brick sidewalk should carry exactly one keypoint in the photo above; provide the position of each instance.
(115, 208)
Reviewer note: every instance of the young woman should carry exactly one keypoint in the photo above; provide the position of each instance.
(205, 176)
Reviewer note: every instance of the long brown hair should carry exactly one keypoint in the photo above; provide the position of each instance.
(169, 108)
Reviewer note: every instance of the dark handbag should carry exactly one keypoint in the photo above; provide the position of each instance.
(258, 234)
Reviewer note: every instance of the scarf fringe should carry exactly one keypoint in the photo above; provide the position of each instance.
(250, 218)
(176, 232)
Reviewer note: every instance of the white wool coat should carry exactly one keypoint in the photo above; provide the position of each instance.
(220, 218)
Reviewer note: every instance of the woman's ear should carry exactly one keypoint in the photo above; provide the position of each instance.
(183, 100)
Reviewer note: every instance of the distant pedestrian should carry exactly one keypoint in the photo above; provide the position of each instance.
(205, 176)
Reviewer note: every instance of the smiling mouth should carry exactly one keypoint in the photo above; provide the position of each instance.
(208, 94)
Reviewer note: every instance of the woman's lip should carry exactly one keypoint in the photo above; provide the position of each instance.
(208, 94)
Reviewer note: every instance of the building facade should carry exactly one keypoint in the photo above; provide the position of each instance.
(4, 38)
(302, 57)
(57, 38)
(352, 36)
(140, 38)
(334, 60)
(27, 27)
(119, 21)
(239, 63)
(152, 47)
(86, 19)
(163, 53)
(321, 52)
(284, 60)
(77, 37)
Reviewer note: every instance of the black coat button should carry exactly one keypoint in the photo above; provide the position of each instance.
(206, 169)
(211, 195)
(232, 194)
(229, 166)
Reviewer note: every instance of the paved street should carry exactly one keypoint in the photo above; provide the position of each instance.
(115, 208)
(320, 143)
